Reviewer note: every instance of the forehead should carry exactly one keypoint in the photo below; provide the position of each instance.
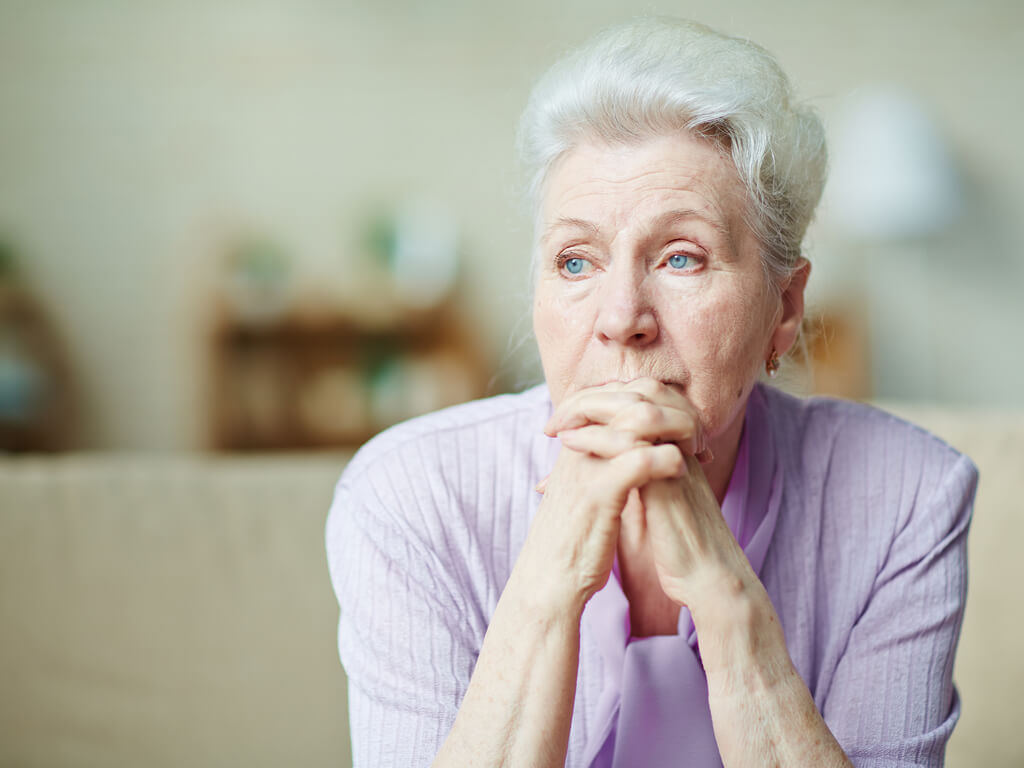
(626, 184)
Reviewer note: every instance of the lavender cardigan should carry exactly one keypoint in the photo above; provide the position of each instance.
(860, 543)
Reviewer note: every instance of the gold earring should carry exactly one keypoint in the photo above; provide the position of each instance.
(771, 366)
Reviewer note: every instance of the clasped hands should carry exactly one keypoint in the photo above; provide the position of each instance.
(622, 442)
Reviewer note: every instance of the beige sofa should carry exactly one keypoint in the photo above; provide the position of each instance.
(164, 611)
(170, 611)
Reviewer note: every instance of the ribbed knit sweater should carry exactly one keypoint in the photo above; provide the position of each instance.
(866, 570)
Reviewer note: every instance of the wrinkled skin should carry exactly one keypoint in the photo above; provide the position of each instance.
(653, 317)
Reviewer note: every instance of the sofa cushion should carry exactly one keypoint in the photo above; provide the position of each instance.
(168, 612)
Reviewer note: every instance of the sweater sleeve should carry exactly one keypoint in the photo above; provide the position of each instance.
(403, 636)
(892, 701)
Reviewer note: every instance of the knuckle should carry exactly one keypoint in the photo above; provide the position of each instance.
(649, 459)
(644, 460)
(648, 386)
(669, 458)
(646, 411)
(625, 438)
(632, 462)
(676, 459)
(687, 425)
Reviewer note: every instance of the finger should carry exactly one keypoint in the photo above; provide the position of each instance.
(646, 388)
(656, 411)
(630, 410)
(661, 424)
(588, 406)
(639, 422)
(600, 440)
(655, 390)
(640, 466)
(670, 395)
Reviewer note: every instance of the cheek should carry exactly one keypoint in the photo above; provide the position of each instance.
(720, 331)
(561, 329)
(560, 315)
(723, 339)
(547, 320)
(741, 322)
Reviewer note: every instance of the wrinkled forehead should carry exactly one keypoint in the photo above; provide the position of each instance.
(639, 184)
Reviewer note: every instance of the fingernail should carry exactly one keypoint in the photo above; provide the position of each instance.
(542, 485)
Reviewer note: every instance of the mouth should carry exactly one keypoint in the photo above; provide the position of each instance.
(671, 383)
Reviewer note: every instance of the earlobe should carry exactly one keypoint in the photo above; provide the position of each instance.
(792, 300)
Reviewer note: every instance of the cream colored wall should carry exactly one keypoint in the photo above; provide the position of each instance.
(135, 138)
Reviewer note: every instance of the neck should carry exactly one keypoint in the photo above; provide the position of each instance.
(725, 448)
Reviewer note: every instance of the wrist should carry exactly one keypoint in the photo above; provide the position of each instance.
(742, 645)
(545, 601)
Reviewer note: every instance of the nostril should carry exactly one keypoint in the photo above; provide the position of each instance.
(626, 316)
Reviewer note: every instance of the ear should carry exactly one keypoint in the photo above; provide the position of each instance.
(792, 298)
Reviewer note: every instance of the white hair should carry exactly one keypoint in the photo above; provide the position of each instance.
(656, 76)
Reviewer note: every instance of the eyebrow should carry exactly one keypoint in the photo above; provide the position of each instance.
(681, 214)
(664, 219)
(568, 222)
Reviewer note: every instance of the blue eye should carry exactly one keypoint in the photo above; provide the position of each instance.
(574, 266)
(678, 261)
(570, 266)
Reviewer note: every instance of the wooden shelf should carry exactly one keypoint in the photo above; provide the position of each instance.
(38, 409)
(330, 380)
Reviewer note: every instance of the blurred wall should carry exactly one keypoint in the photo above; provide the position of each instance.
(136, 138)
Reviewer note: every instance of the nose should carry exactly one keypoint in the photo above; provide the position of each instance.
(626, 314)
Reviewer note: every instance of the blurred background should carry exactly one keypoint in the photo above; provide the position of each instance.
(245, 225)
(233, 231)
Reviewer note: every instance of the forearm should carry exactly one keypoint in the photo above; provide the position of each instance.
(518, 708)
(762, 712)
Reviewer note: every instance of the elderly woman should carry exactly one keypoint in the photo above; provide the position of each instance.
(653, 559)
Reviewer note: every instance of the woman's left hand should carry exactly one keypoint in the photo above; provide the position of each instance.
(695, 554)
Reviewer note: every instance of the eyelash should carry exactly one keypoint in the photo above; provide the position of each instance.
(690, 256)
(564, 258)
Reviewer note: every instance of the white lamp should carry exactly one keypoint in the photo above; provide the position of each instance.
(893, 189)
(892, 177)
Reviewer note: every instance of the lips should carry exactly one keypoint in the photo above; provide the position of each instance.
(677, 386)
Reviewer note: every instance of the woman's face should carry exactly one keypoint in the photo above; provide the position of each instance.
(646, 268)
